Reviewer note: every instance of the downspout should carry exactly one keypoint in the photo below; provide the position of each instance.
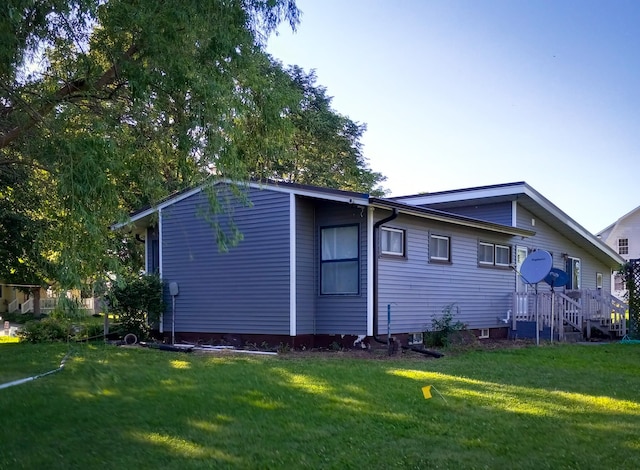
(376, 226)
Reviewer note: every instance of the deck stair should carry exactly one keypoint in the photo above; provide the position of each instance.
(571, 315)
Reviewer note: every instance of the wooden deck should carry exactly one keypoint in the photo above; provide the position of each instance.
(579, 309)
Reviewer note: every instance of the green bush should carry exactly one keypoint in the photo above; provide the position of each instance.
(45, 330)
(138, 303)
(443, 329)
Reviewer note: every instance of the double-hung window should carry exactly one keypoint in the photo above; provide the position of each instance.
(339, 260)
(623, 246)
(439, 248)
(493, 254)
(392, 241)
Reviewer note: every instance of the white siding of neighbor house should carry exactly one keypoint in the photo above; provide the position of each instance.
(626, 227)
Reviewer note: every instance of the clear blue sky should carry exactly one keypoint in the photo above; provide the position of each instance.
(461, 93)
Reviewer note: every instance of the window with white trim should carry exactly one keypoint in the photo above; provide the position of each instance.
(392, 241)
(439, 248)
(339, 260)
(623, 246)
(484, 333)
(493, 254)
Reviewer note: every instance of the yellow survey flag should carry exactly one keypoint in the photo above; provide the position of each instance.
(426, 391)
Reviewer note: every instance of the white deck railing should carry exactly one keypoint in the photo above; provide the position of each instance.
(47, 305)
(27, 306)
(578, 308)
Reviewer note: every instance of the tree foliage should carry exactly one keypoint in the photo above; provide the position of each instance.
(110, 105)
(323, 147)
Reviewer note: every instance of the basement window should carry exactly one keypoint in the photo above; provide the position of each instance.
(484, 333)
(415, 338)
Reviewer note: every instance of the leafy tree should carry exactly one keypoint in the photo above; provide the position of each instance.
(109, 105)
(322, 147)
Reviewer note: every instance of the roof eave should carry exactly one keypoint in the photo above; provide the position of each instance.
(441, 216)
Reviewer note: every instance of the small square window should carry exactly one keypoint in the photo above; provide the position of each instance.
(392, 241)
(623, 246)
(484, 333)
(439, 249)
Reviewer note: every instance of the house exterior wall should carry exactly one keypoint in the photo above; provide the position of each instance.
(306, 266)
(497, 212)
(245, 290)
(342, 314)
(419, 290)
(627, 227)
(547, 238)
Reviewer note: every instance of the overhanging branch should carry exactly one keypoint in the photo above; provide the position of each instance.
(71, 91)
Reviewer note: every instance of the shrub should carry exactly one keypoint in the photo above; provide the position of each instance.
(444, 328)
(45, 330)
(138, 303)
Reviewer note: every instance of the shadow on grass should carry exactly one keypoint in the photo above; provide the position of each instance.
(143, 409)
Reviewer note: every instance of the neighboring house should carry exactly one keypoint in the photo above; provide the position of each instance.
(623, 236)
(22, 298)
(318, 265)
(16, 297)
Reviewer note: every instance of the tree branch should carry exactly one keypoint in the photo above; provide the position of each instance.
(71, 91)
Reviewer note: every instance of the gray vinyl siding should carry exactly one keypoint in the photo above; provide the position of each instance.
(547, 238)
(245, 290)
(306, 278)
(418, 290)
(497, 212)
(343, 314)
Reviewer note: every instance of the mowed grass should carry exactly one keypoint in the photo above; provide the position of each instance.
(548, 407)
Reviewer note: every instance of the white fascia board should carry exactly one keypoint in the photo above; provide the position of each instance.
(370, 273)
(572, 224)
(136, 217)
(179, 197)
(462, 195)
(317, 194)
(156, 208)
(292, 266)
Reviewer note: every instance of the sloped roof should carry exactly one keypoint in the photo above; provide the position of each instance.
(528, 198)
(144, 217)
(628, 214)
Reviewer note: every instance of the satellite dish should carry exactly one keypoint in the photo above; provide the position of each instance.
(536, 266)
(557, 278)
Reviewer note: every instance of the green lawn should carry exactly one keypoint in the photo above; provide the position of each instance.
(549, 407)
